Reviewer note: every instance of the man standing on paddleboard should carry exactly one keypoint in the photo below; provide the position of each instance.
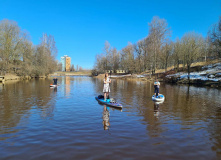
(156, 87)
(55, 81)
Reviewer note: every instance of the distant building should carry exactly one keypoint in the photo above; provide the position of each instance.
(66, 63)
(63, 63)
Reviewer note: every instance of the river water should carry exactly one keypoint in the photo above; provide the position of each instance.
(37, 122)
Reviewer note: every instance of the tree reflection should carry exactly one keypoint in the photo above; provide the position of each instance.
(215, 129)
(18, 98)
(189, 106)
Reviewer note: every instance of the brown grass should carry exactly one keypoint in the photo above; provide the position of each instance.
(10, 76)
(193, 65)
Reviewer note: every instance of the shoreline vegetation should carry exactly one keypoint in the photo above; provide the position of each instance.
(76, 73)
(202, 74)
(20, 58)
(10, 76)
(191, 59)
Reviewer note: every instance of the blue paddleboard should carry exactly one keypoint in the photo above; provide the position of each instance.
(108, 102)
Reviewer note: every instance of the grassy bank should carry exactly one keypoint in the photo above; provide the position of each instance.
(10, 76)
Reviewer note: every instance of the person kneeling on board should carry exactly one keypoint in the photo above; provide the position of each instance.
(156, 87)
(106, 88)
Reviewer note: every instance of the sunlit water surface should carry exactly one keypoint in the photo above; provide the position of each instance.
(37, 122)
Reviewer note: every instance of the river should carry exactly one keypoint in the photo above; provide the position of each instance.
(38, 122)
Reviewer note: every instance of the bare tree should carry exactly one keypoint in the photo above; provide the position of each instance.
(45, 56)
(114, 59)
(157, 50)
(158, 34)
(140, 49)
(108, 60)
(107, 54)
(18, 54)
(128, 58)
(100, 63)
(72, 68)
(10, 43)
(177, 54)
(80, 68)
(166, 54)
(215, 38)
(191, 46)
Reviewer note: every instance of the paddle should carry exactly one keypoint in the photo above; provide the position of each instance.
(109, 86)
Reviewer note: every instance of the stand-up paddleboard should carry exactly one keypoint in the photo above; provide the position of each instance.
(52, 85)
(159, 98)
(108, 102)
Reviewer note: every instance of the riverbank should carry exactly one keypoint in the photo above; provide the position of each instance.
(14, 77)
(202, 74)
(131, 77)
(10, 76)
(208, 75)
(80, 73)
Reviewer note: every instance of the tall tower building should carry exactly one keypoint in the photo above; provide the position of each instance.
(66, 63)
(63, 63)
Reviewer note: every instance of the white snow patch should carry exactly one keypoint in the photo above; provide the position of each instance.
(203, 75)
(140, 76)
(120, 75)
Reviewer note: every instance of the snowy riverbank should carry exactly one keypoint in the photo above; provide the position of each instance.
(209, 75)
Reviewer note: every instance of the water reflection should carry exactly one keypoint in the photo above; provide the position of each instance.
(214, 130)
(55, 89)
(68, 83)
(47, 111)
(106, 118)
(106, 115)
(1, 86)
(187, 123)
(65, 84)
(18, 98)
(156, 109)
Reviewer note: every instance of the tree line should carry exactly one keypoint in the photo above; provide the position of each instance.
(19, 55)
(158, 51)
(72, 67)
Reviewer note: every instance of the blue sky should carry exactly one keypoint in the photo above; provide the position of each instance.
(81, 27)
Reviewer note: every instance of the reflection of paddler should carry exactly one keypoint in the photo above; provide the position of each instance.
(55, 89)
(156, 109)
(106, 119)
